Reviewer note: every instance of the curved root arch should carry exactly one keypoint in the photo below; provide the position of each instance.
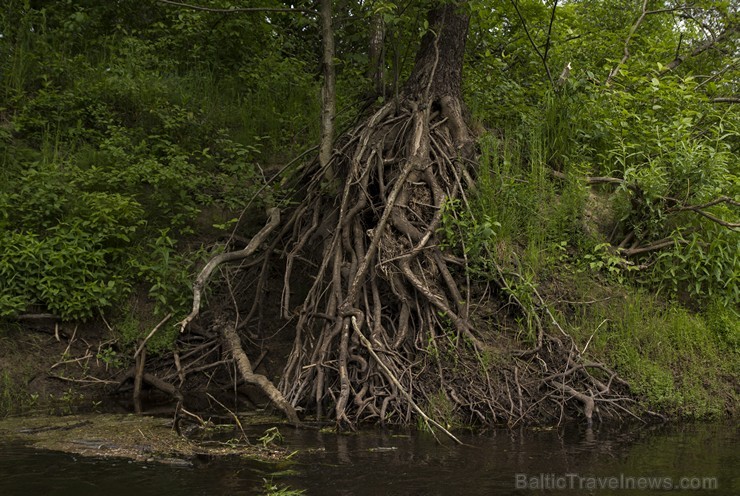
(381, 264)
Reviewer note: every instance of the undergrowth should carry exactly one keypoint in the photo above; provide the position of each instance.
(118, 142)
(678, 349)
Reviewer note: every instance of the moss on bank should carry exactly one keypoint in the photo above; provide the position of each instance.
(135, 437)
(679, 363)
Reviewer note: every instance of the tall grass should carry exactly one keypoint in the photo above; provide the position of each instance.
(678, 361)
(516, 188)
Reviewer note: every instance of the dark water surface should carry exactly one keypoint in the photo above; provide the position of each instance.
(572, 460)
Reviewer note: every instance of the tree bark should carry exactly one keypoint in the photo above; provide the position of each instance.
(328, 91)
(376, 54)
(439, 61)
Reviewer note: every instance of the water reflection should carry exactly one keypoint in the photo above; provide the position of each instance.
(393, 463)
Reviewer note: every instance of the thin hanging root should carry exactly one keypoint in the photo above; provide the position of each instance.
(428, 420)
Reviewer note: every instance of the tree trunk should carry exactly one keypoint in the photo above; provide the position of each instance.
(382, 278)
(328, 91)
(437, 74)
(439, 60)
(376, 55)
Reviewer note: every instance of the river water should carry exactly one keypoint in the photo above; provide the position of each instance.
(688, 459)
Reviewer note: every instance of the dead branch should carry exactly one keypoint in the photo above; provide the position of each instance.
(88, 379)
(152, 380)
(205, 274)
(542, 56)
(233, 344)
(728, 33)
(699, 209)
(138, 378)
(644, 12)
(657, 245)
(37, 316)
(234, 416)
(156, 328)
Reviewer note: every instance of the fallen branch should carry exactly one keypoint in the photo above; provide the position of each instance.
(37, 316)
(88, 379)
(72, 360)
(592, 180)
(658, 245)
(153, 381)
(163, 386)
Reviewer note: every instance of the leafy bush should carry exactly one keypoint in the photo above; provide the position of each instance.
(109, 150)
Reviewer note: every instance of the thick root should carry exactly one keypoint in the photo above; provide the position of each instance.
(381, 266)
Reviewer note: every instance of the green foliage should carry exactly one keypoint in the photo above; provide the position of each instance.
(666, 146)
(604, 259)
(724, 323)
(459, 227)
(168, 274)
(674, 149)
(653, 127)
(134, 323)
(270, 488)
(109, 357)
(671, 357)
(117, 130)
(67, 272)
(270, 436)
(518, 215)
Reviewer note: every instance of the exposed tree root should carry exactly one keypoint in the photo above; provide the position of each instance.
(380, 266)
(382, 324)
(233, 344)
